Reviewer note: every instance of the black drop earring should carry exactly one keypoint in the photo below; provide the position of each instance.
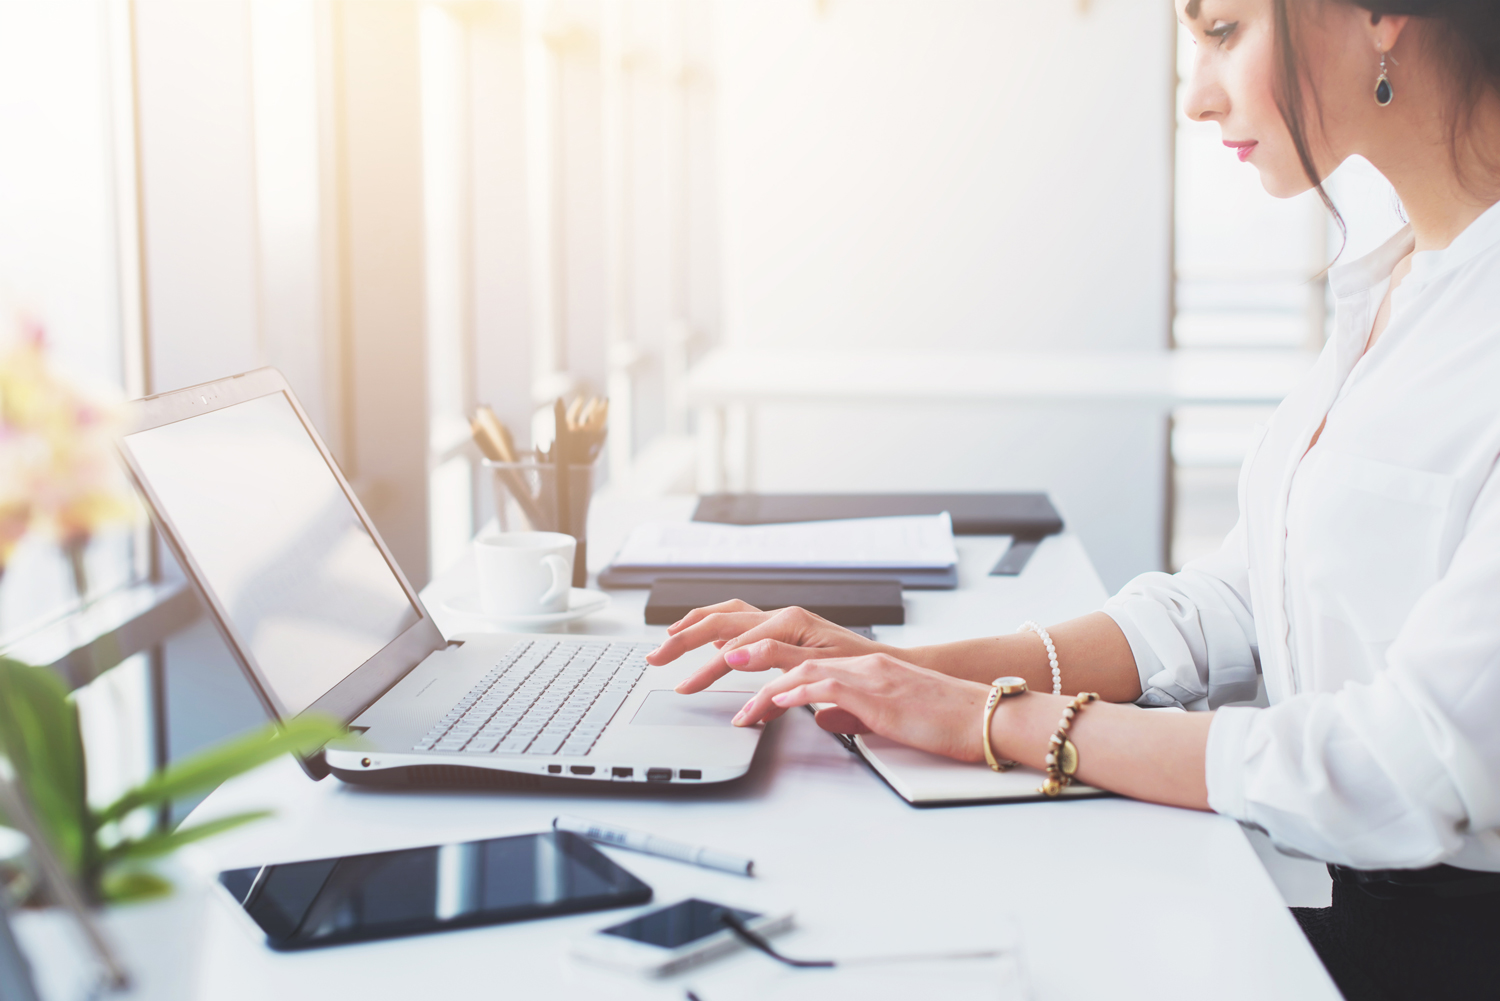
(1383, 93)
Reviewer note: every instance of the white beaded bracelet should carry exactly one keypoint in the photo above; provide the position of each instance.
(1051, 654)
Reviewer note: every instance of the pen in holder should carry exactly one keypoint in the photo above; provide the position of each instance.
(531, 497)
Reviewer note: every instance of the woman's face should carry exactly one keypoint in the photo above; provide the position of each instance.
(1233, 83)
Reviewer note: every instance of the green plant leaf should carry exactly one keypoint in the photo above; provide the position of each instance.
(166, 842)
(39, 736)
(133, 885)
(207, 769)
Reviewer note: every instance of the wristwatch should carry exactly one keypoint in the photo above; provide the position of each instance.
(999, 688)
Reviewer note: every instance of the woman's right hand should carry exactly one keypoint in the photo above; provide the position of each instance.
(751, 640)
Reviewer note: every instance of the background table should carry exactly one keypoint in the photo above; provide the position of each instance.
(1111, 898)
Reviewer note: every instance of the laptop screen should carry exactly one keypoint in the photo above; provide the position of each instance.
(276, 539)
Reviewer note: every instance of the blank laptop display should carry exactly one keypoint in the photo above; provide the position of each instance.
(298, 575)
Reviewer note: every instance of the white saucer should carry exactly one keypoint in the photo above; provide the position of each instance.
(581, 602)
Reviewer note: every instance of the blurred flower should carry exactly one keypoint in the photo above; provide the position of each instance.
(58, 473)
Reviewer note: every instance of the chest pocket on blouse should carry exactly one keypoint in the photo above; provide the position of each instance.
(1371, 538)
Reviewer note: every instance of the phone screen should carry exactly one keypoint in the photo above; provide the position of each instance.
(416, 890)
(676, 926)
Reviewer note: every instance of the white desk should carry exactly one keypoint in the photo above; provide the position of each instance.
(1113, 898)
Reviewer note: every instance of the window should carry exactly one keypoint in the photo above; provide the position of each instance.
(60, 264)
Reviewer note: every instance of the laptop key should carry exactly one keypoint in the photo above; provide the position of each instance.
(546, 744)
(513, 744)
(606, 706)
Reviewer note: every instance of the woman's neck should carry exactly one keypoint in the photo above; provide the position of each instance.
(1442, 193)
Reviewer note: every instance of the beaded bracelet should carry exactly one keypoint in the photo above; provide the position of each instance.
(1051, 654)
(1062, 756)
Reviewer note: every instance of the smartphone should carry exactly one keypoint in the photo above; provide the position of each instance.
(669, 939)
(357, 898)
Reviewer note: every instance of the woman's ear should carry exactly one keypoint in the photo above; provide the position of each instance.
(1385, 29)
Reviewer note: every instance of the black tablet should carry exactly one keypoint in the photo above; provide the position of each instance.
(301, 905)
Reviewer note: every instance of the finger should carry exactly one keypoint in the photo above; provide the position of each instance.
(761, 703)
(702, 678)
(837, 719)
(697, 614)
(822, 690)
(790, 624)
(850, 676)
(718, 626)
(785, 624)
(762, 655)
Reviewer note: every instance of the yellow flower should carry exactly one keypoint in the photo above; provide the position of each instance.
(58, 472)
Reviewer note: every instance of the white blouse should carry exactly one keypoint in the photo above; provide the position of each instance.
(1362, 582)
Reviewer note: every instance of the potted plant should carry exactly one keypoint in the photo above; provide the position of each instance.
(120, 866)
(113, 864)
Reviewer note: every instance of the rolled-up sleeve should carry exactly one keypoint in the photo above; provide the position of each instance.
(1192, 632)
(1394, 772)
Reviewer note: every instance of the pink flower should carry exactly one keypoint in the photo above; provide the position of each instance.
(58, 473)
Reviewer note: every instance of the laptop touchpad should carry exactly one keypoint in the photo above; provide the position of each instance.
(665, 707)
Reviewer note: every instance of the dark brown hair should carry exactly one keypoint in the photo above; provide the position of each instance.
(1466, 32)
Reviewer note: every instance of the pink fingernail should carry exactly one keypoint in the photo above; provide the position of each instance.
(739, 716)
(781, 699)
(737, 658)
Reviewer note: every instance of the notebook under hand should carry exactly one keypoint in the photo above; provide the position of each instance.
(928, 780)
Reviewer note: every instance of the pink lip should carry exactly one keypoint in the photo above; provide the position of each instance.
(1242, 149)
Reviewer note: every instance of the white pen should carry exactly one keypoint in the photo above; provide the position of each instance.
(650, 844)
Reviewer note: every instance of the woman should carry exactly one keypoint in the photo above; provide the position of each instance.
(1362, 581)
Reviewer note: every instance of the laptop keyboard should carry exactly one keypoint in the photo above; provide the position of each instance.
(544, 697)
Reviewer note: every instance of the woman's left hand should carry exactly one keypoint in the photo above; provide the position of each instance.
(878, 693)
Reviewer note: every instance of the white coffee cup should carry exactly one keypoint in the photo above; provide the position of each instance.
(524, 573)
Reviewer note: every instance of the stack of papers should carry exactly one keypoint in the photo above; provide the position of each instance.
(921, 542)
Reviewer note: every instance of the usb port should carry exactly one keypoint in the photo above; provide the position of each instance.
(658, 775)
(622, 773)
(689, 773)
(581, 769)
(554, 769)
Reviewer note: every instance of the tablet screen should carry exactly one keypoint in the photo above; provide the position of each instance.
(360, 897)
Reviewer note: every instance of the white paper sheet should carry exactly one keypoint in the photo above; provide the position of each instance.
(920, 541)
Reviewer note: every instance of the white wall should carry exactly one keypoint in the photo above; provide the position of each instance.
(965, 175)
(972, 173)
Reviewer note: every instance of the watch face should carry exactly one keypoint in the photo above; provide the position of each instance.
(1011, 684)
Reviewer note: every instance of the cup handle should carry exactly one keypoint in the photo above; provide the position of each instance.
(562, 578)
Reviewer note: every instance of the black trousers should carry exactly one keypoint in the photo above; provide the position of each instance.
(1384, 944)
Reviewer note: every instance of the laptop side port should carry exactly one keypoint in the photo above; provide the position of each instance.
(554, 769)
(581, 769)
(658, 775)
(689, 773)
(621, 773)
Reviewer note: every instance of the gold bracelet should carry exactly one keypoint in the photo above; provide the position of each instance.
(1062, 755)
(999, 688)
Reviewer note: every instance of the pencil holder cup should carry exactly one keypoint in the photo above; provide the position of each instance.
(528, 499)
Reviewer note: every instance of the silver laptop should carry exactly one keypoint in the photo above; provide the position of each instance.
(321, 619)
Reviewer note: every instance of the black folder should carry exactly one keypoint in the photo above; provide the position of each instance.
(852, 602)
(1023, 515)
(939, 579)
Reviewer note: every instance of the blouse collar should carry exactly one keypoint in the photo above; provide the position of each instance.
(1376, 266)
(1477, 237)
